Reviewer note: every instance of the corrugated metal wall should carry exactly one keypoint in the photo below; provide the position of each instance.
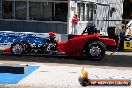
(103, 13)
(40, 27)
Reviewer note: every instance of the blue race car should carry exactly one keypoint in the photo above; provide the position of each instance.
(20, 43)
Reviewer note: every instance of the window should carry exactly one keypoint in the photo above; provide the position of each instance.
(86, 11)
(20, 10)
(61, 10)
(47, 11)
(0, 8)
(82, 12)
(78, 10)
(42, 11)
(35, 10)
(8, 9)
(90, 12)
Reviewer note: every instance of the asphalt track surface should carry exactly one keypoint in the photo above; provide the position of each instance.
(119, 60)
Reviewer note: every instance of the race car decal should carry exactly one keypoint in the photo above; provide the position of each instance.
(32, 38)
(128, 43)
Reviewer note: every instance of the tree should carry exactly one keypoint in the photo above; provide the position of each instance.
(127, 9)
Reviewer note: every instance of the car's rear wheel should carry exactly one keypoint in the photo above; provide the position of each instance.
(17, 49)
(95, 50)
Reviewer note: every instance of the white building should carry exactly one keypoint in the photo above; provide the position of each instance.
(56, 15)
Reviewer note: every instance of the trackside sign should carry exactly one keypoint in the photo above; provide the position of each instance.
(85, 81)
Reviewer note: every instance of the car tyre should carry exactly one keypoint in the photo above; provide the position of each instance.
(17, 49)
(95, 50)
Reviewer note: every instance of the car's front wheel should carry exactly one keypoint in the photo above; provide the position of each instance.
(95, 50)
(17, 49)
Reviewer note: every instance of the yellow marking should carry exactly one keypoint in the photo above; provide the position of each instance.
(128, 45)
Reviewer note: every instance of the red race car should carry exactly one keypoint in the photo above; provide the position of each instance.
(89, 44)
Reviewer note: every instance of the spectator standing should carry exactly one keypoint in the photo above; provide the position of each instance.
(75, 24)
